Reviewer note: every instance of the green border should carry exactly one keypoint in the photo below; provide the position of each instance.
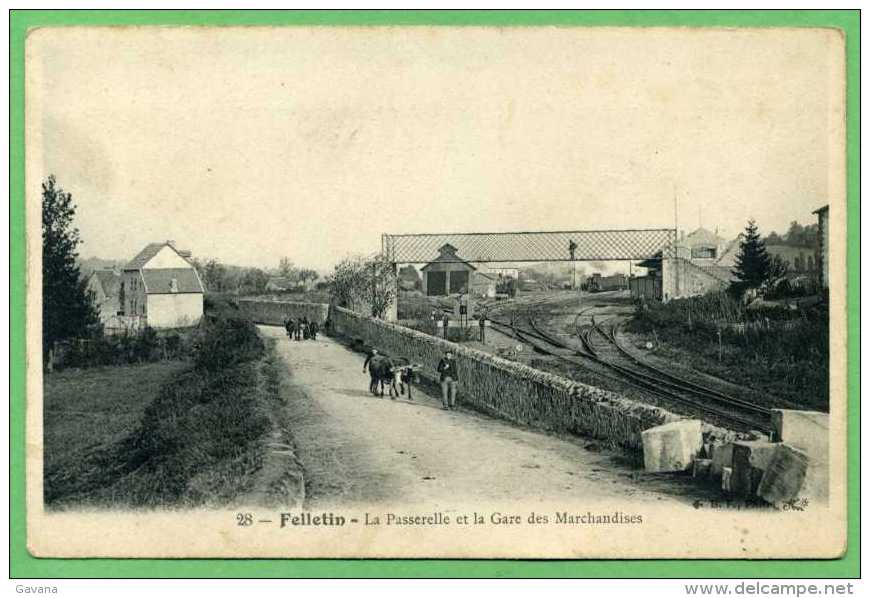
(24, 565)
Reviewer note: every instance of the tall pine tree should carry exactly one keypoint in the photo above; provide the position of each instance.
(752, 265)
(67, 309)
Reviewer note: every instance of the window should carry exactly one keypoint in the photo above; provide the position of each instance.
(701, 252)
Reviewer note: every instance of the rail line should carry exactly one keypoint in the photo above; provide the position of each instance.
(659, 383)
(703, 390)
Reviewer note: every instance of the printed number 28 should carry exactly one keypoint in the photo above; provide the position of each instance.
(244, 519)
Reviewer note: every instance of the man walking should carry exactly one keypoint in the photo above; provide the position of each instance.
(447, 370)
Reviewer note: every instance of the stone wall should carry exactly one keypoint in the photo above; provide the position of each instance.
(682, 278)
(511, 390)
(274, 312)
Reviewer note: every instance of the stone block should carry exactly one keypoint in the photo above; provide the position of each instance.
(785, 475)
(672, 446)
(750, 459)
(805, 430)
(721, 457)
(809, 432)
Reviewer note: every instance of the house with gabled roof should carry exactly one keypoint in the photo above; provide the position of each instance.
(161, 288)
(103, 286)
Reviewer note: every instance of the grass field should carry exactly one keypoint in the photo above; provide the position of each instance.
(171, 434)
(87, 413)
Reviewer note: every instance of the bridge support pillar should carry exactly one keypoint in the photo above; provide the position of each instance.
(392, 312)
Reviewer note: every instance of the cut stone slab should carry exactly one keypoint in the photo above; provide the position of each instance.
(785, 475)
(721, 457)
(806, 430)
(672, 446)
(809, 432)
(749, 461)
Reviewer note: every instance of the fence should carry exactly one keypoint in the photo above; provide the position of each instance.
(275, 312)
(511, 390)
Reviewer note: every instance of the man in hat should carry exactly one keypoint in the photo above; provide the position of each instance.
(447, 370)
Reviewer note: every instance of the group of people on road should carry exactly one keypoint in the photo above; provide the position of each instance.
(301, 329)
(385, 371)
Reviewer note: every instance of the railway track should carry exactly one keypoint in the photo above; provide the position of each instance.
(737, 413)
(610, 335)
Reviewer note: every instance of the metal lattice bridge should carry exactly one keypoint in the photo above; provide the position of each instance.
(588, 245)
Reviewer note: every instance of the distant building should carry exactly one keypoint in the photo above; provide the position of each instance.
(614, 282)
(104, 288)
(703, 247)
(797, 259)
(823, 248)
(704, 263)
(161, 288)
(447, 274)
(281, 284)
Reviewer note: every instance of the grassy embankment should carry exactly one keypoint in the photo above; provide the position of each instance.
(171, 434)
(778, 351)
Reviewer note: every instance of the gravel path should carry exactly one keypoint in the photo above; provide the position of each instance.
(358, 449)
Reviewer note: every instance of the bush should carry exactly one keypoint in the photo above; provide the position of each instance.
(223, 342)
(132, 347)
(784, 350)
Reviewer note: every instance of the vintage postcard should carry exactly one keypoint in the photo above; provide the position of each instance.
(437, 292)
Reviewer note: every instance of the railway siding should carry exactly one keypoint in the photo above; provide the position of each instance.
(511, 390)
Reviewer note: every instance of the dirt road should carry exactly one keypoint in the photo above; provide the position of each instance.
(360, 449)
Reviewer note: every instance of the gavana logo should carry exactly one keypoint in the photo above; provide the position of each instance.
(19, 589)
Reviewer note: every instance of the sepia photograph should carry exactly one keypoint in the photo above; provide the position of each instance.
(436, 292)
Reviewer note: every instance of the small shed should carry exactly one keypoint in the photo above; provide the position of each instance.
(447, 274)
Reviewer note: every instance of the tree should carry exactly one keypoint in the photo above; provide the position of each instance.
(67, 309)
(365, 285)
(254, 280)
(773, 239)
(285, 267)
(752, 265)
(778, 268)
(214, 275)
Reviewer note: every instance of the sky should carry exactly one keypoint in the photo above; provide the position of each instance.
(249, 144)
